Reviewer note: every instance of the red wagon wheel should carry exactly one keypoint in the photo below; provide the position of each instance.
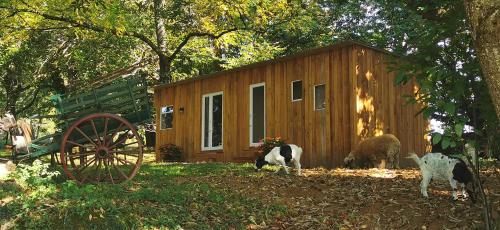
(101, 148)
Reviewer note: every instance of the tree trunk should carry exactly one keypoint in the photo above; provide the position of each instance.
(484, 18)
(217, 64)
(161, 41)
(10, 85)
(164, 69)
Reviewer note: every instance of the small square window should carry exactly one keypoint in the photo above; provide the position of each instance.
(296, 90)
(319, 97)
(166, 117)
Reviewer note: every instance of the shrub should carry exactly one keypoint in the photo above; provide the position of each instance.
(171, 152)
(34, 176)
(38, 187)
(268, 144)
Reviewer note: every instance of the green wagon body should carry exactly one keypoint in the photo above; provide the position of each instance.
(127, 98)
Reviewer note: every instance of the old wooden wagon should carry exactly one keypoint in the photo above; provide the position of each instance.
(325, 100)
(96, 138)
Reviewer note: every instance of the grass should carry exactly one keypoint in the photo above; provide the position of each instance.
(5, 153)
(161, 196)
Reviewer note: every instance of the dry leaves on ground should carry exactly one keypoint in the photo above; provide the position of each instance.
(358, 199)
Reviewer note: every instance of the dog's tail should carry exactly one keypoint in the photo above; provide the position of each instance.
(415, 157)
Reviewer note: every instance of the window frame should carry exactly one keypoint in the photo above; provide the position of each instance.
(314, 97)
(210, 120)
(301, 88)
(250, 113)
(161, 117)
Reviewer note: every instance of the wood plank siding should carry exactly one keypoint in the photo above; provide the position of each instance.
(361, 101)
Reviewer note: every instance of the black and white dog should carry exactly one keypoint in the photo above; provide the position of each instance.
(441, 167)
(281, 156)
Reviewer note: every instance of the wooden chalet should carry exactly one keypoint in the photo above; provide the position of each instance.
(325, 100)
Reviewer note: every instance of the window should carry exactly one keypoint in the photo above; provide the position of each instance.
(166, 117)
(257, 113)
(319, 97)
(212, 121)
(296, 90)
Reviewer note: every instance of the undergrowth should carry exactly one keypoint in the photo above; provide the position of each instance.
(40, 199)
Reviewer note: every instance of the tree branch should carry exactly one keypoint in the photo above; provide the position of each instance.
(39, 29)
(32, 101)
(90, 26)
(197, 34)
(123, 71)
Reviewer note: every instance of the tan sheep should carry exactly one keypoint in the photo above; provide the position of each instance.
(381, 152)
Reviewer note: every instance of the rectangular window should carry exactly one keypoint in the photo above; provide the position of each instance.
(166, 117)
(319, 97)
(296, 90)
(257, 113)
(212, 121)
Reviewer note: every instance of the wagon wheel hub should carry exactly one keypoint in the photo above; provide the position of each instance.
(103, 153)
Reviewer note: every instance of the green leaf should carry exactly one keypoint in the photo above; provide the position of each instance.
(400, 77)
(436, 138)
(459, 129)
(449, 108)
(446, 142)
(427, 112)
(453, 144)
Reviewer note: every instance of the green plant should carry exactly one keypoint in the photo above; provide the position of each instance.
(37, 187)
(154, 200)
(34, 176)
(269, 143)
(171, 152)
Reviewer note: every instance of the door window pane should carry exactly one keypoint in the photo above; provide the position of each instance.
(258, 114)
(206, 117)
(319, 97)
(217, 121)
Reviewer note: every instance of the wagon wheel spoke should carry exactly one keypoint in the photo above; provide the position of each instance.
(87, 164)
(128, 144)
(82, 154)
(115, 132)
(85, 135)
(126, 162)
(84, 178)
(89, 175)
(129, 152)
(104, 134)
(106, 166)
(119, 141)
(74, 143)
(98, 171)
(119, 170)
(84, 171)
(72, 157)
(95, 132)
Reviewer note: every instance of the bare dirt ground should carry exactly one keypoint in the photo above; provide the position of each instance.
(360, 199)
